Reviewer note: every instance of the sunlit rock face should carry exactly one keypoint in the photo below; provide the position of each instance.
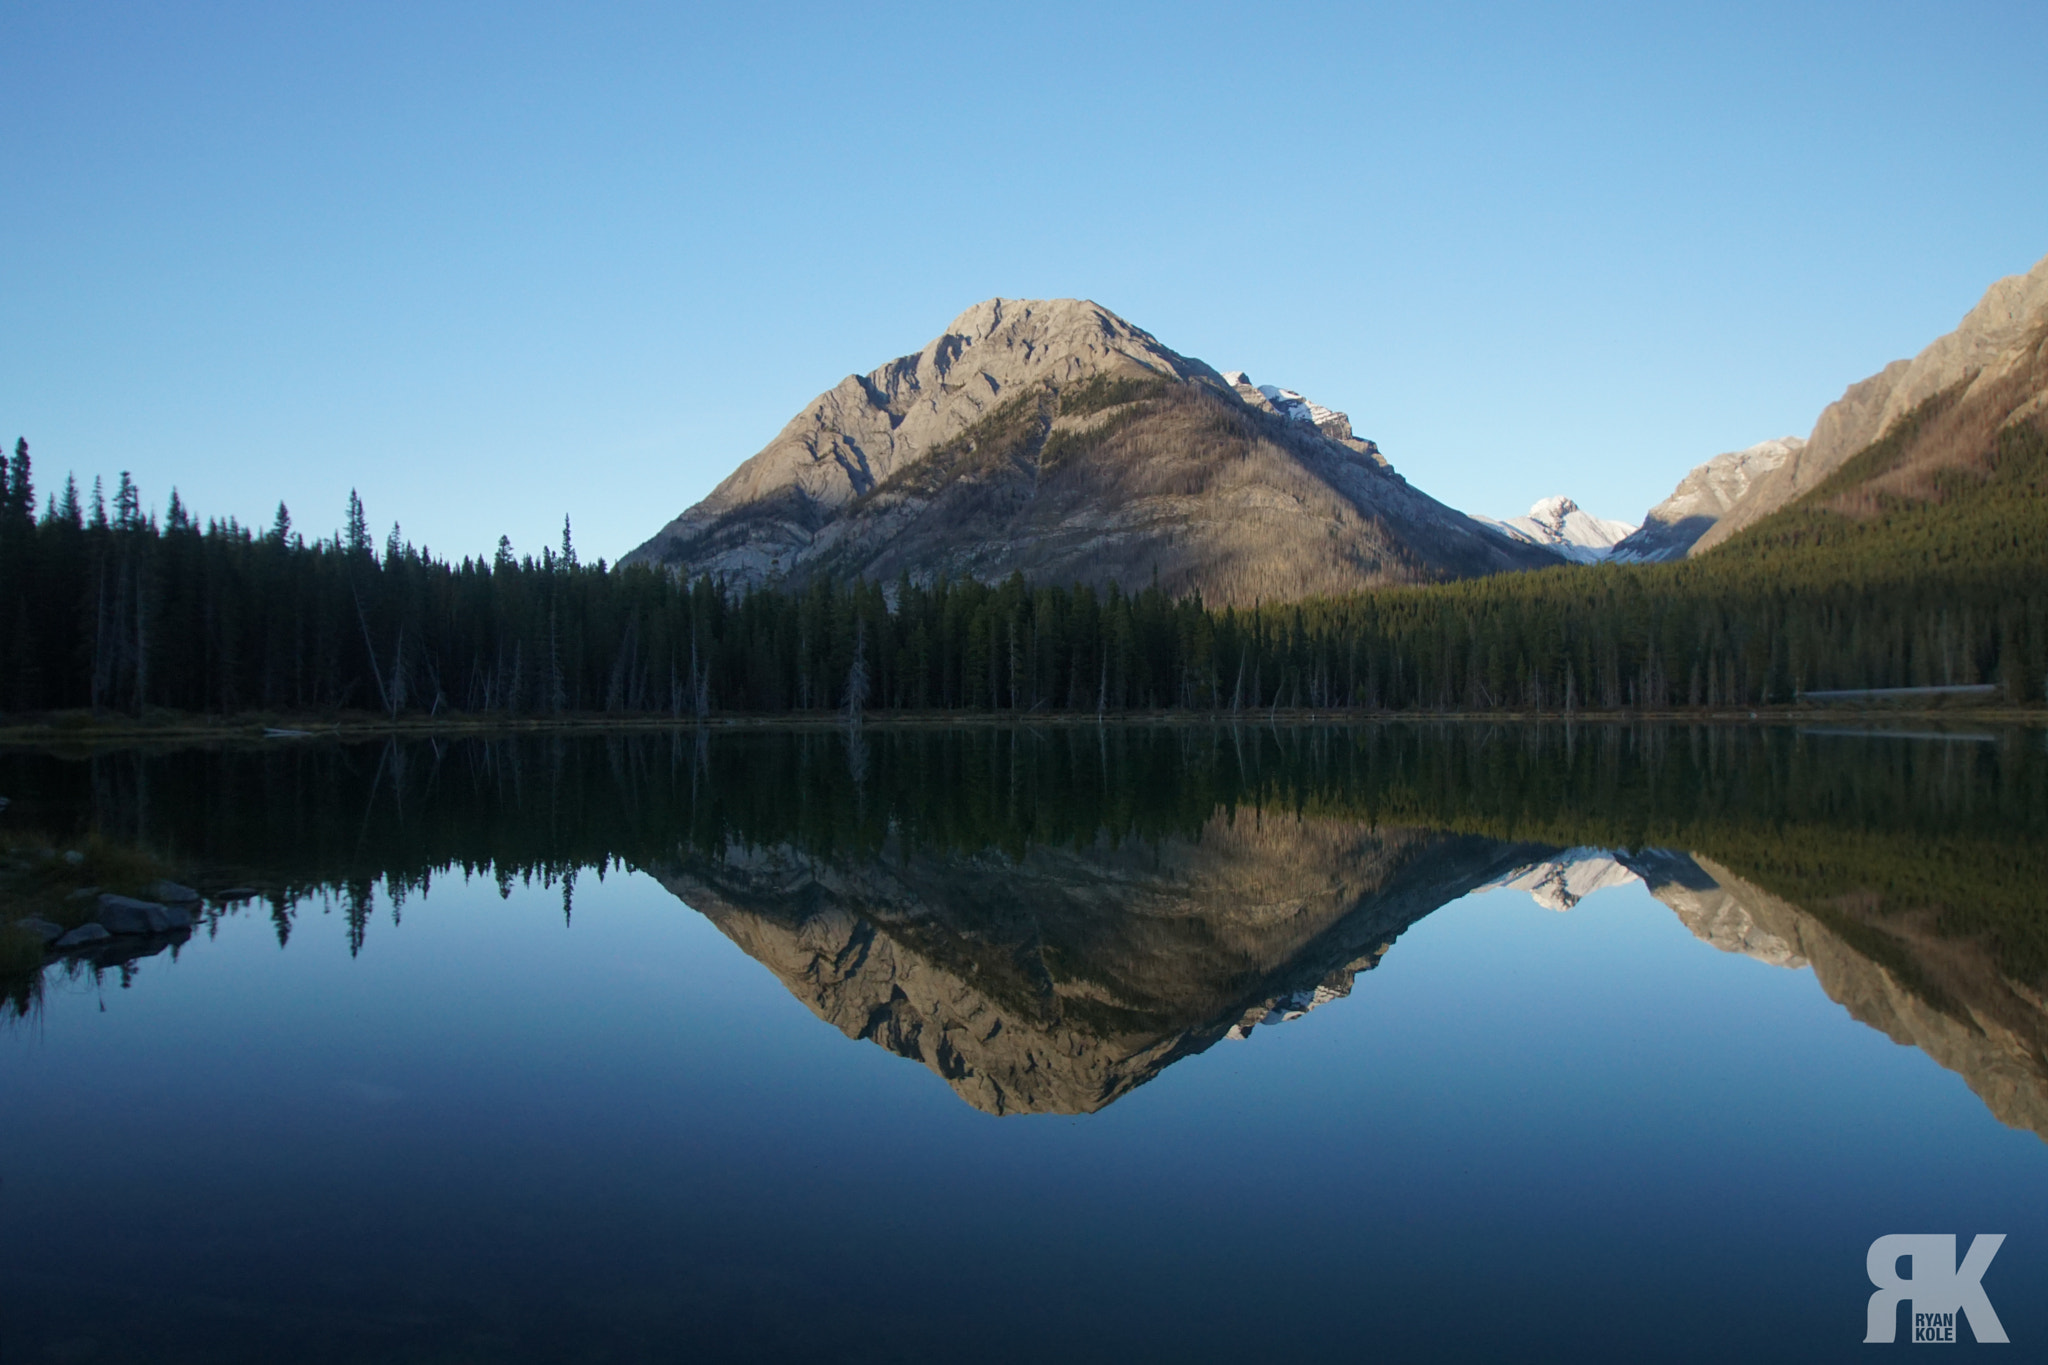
(1701, 499)
(1062, 980)
(1941, 995)
(1992, 362)
(1051, 438)
(1715, 913)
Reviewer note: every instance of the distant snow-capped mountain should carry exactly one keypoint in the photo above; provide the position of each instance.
(1567, 530)
(1561, 882)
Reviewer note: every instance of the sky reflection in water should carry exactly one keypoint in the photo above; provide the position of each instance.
(489, 1134)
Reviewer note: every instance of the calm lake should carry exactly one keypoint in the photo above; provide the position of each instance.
(1381, 1042)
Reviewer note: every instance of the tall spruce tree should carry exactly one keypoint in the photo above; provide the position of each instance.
(356, 536)
(21, 488)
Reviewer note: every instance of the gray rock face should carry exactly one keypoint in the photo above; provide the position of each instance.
(42, 928)
(126, 915)
(1994, 340)
(1054, 439)
(1295, 408)
(1060, 982)
(170, 893)
(83, 936)
(1702, 498)
(1975, 1022)
(856, 435)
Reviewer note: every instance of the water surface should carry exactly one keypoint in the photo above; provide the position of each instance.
(1400, 1041)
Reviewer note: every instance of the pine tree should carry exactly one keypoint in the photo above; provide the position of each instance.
(127, 505)
(21, 488)
(356, 536)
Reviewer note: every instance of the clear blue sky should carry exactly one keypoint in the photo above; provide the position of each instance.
(493, 263)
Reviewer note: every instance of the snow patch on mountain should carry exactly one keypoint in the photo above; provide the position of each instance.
(1560, 883)
(1565, 529)
(1297, 408)
(1294, 1004)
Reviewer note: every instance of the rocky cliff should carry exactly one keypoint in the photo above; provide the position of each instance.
(1919, 988)
(1985, 374)
(1702, 498)
(1054, 439)
(1892, 971)
(1060, 981)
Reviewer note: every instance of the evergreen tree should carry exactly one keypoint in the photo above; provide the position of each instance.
(127, 505)
(356, 536)
(21, 488)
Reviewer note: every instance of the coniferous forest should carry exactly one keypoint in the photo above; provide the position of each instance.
(105, 607)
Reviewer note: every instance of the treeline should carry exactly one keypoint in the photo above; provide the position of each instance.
(1956, 831)
(109, 609)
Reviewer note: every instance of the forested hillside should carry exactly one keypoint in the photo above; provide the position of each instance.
(1942, 582)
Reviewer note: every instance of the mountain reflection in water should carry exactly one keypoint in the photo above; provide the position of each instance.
(1048, 918)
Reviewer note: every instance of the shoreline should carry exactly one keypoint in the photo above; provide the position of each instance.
(73, 730)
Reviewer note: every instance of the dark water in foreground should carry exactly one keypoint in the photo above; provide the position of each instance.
(1391, 1043)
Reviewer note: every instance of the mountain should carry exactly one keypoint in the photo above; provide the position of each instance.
(1564, 879)
(1701, 499)
(1916, 985)
(1567, 530)
(1944, 409)
(1052, 438)
(1891, 971)
(1061, 980)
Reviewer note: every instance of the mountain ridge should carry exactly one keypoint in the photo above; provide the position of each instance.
(1054, 439)
(1564, 528)
(1986, 375)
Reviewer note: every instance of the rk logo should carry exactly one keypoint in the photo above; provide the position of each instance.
(1938, 1288)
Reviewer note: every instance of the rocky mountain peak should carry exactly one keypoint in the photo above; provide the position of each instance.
(1561, 526)
(1702, 498)
(1052, 438)
(1295, 408)
(1983, 364)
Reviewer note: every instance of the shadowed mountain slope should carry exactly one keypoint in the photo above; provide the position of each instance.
(1054, 439)
(1942, 410)
(1889, 970)
(1702, 498)
(1062, 980)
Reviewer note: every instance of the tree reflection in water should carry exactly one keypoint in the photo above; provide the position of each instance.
(1048, 917)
